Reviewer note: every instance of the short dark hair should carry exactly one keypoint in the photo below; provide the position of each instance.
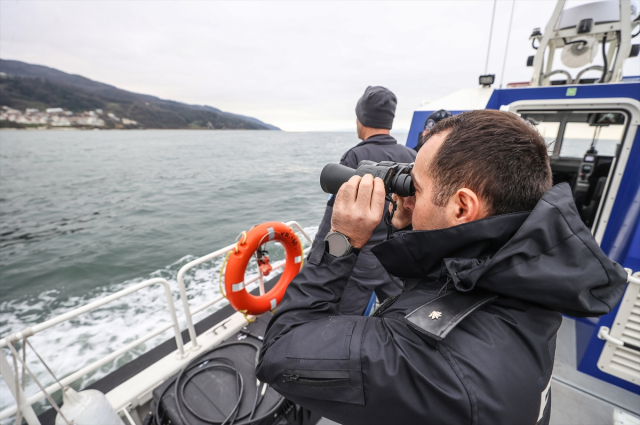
(497, 155)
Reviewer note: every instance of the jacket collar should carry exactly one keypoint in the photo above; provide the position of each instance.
(379, 139)
(420, 253)
(546, 256)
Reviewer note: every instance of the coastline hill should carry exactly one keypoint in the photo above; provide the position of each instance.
(26, 86)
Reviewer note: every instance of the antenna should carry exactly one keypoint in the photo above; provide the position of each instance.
(506, 48)
(486, 80)
(493, 15)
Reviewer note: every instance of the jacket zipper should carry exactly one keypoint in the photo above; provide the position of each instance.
(321, 378)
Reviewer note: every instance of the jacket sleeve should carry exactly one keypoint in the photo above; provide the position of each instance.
(352, 369)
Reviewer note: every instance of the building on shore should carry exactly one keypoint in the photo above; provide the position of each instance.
(59, 117)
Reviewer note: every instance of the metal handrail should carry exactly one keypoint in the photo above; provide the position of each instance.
(27, 332)
(183, 290)
(30, 331)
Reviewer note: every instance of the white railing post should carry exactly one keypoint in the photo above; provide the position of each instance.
(187, 312)
(27, 411)
(183, 290)
(174, 318)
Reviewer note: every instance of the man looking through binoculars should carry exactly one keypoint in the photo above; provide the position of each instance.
(361, 201)
(490, 256)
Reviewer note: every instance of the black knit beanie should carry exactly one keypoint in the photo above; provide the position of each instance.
(377, 107)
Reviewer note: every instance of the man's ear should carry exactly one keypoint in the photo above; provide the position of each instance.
(465, 206)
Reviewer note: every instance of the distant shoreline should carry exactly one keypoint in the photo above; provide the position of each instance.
(128, 129)
(41, 96)
(398, 132)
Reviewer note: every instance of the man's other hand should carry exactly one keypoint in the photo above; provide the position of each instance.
(404, 212)
(358, 208)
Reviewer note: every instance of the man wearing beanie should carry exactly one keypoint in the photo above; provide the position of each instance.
(375, 112)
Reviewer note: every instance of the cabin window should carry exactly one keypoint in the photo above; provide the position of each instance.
(582, 146)
(579, 136)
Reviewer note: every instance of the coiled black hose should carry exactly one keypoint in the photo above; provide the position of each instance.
(205, 363)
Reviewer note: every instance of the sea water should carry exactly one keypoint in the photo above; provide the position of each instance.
(84, 214)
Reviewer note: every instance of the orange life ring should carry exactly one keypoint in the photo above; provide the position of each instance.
(234, 285)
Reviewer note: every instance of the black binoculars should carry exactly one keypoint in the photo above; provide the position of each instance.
(395, 175)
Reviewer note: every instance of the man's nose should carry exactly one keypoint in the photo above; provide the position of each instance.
(410, 202)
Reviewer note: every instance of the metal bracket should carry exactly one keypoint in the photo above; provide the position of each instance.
(221, 325)
(603, 333)
(633, 277)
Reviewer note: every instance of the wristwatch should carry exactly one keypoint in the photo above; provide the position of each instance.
(337, 244)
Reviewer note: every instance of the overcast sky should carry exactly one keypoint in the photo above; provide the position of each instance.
(298, 65)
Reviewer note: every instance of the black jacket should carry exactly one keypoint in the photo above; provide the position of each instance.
(493, 367)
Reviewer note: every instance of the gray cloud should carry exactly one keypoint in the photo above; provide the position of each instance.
(297, 65)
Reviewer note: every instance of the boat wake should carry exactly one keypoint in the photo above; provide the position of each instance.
(71, 345)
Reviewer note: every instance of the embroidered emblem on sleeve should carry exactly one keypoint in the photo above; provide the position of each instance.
(435, 315)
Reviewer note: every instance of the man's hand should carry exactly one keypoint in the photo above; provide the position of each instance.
(358, 208)
(404, 213)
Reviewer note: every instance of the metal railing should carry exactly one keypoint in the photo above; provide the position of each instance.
(26, 402)
(30, 331)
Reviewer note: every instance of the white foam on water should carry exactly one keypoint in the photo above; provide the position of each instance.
(74, 344)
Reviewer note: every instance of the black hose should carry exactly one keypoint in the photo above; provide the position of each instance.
(533, 42)
(179, 389)
(574, 41)
(222, 363)
(605, 68)
(255, 401)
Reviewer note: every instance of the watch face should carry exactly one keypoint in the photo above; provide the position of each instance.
(338, 244)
